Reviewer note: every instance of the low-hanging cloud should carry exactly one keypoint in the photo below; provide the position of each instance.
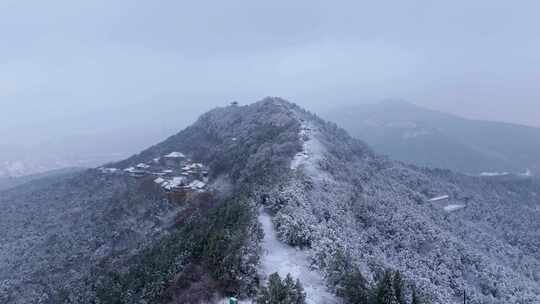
(122, 67)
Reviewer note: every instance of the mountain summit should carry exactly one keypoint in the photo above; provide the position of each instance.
(249, 191)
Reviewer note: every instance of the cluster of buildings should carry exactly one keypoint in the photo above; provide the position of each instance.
(173, 172)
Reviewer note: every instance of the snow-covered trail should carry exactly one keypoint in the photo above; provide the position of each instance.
(311, 155)
(283, 259)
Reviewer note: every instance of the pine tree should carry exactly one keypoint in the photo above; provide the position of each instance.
(281, 292)
(290, 289)
(354, 288)
(276, 289)
(351, 285)
(415, 297)
(300, 293)
(399, 288)
(263, 296)
(385, 291)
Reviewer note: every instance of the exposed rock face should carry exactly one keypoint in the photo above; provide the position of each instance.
(327, 194)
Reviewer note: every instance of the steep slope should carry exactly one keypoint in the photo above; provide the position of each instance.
(344, 199)
(64, 238)
(429, 138)
(212, 211)
(54, 231)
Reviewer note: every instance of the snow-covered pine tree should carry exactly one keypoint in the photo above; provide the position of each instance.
(385, 293)
(399, 288)
(279, 291)
(300, 293)
(415, 298)
(276, 289)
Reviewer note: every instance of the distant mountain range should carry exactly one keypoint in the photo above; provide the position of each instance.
(25, 155)
(25, 161)
(430, 138)
(245, 192)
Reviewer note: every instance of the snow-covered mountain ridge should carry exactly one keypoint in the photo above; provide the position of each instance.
(479, 238)
(118, 236)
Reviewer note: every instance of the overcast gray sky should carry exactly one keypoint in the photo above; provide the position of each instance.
(104, 66)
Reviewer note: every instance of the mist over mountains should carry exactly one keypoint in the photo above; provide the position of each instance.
(434, 139)
(38, 154)
(401, 130)
(140, 165)
(203, 214)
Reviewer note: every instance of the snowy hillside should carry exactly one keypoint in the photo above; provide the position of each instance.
(247, 191)
(445, 232)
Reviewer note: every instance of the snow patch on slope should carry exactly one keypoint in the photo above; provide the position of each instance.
(283, 259)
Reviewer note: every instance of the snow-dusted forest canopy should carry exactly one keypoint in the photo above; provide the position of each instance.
(286, 193)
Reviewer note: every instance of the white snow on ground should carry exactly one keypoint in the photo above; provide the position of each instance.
(451, 208)
(283, 259)
(439, 198)
(299, 159)
(311, 148)
(312, 153)
(302, 158)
